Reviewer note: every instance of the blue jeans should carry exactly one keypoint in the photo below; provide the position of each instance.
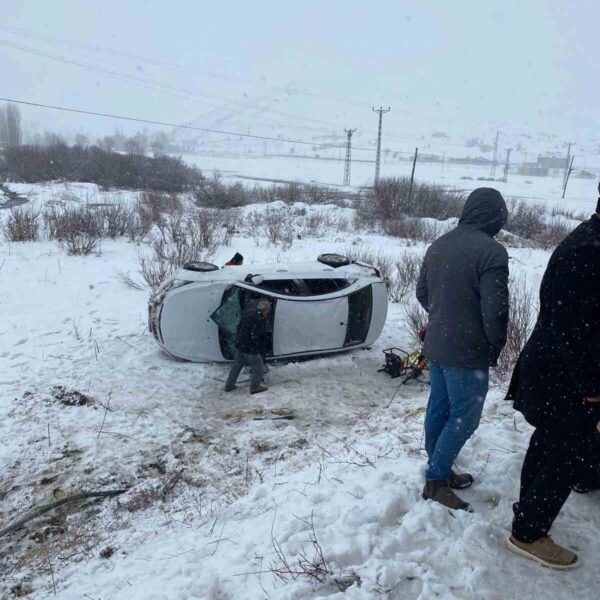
(453, 413)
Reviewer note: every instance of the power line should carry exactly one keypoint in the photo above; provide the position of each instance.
(213, 99)
(165, 124)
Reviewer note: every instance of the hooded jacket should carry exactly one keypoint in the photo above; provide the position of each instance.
(253, 331)
(560, 364)
(463, 285)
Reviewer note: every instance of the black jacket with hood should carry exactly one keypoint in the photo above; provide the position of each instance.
(463, 285)
(560, 364)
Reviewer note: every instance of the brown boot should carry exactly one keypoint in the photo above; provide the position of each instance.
(439, 490)
(258, 389)
(544, 551)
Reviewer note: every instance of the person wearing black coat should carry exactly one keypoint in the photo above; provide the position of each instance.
(251, 344)
(556, 385)
(463, 286)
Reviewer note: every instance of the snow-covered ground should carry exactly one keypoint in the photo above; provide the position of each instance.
(218, 500)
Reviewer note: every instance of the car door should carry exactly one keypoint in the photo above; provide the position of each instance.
(309, 325)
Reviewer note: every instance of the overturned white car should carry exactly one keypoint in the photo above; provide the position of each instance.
(319, 307)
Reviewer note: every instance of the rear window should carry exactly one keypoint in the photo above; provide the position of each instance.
(319, 287)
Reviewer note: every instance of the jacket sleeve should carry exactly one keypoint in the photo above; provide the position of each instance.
(576, 318)
(493, 290)
(422, 292)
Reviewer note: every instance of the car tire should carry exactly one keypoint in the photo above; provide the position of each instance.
(200, 266)
(333, 260)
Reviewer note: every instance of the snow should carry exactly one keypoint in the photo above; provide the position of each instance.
(241, 488)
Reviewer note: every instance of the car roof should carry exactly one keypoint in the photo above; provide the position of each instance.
(293, 270)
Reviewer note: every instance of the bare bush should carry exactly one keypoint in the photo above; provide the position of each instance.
(411, 228)
(214, 193)
(78, 230)
(22, 225)
(404, 277)
(522, 316)
(182, 240)
(525, 219)
(416, 318)
(117, 220)
(381, 261)
(278, 228)
(391, 198)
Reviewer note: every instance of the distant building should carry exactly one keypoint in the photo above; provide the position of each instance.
(532, 169)
(551, 162)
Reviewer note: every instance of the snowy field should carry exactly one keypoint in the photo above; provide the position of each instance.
(220, 502)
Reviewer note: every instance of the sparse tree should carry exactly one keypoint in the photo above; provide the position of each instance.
(11, 133)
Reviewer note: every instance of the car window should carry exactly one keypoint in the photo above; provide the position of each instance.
(286, 287)
(318, 287)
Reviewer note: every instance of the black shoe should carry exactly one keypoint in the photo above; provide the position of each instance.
(231, 388)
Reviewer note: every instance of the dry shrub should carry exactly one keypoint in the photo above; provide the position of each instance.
(410, 228)
(416, 318)
(530, 222)
(404, 277)
(22, 225)
(391, 198)
(522, 316)
(117, 220)
(182, 240)
(214, 193)
(79, 230)
(381, 261)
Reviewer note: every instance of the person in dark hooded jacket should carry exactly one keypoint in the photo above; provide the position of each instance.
(556, 385)
(253, 333)
(463, 285)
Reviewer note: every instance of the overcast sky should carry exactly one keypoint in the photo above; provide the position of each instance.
(452, 65)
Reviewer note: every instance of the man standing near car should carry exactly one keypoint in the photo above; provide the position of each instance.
(463, 285)
(252, 335)
(556, 385)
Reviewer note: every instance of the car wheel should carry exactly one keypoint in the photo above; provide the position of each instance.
(333, 260)
(201, 266)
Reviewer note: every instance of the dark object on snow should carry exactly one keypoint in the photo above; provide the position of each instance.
(598, 204)
(395, 362)
(560, 363)
(200, 266)
(463, 285)
(70, 397)
(333, 260)
(237, 260)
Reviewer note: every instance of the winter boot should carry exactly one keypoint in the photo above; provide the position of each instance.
(460, 481)
(439, 490)
(258, 389)
(544, 551)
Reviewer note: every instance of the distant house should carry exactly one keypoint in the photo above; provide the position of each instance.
(532, 169)
(551, 162)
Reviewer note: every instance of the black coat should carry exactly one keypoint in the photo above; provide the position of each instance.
(463, 285)
(254, 332)
(560, 364)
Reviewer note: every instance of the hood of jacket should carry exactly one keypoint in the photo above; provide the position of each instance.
(486, 210)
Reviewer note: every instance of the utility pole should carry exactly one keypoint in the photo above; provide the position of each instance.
(381, 112)
(495, 161)
(569, 171)
(507, 164)
(349, 133)
(412, 175)
(567, 165)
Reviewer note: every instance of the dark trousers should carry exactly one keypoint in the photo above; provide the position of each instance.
(554, 462)
(257, 369)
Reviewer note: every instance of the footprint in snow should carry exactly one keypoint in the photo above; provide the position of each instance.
(21, 342)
